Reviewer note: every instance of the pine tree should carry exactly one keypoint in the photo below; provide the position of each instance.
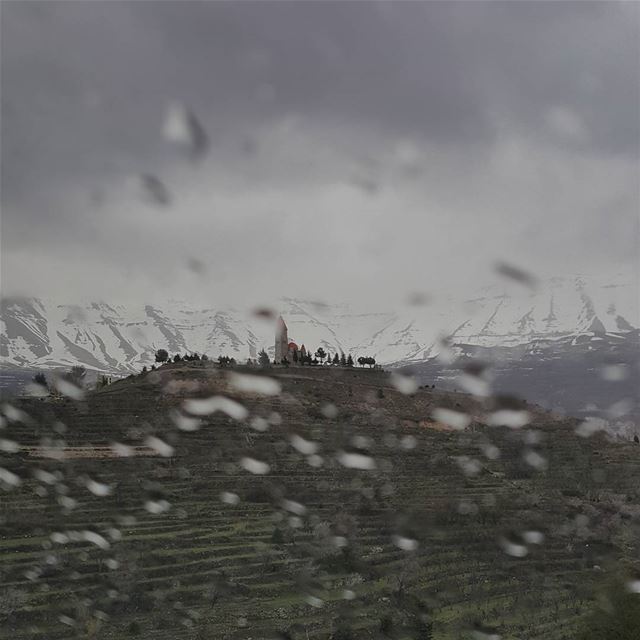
(320, 354)
(336, 359)
(263, 359)
(103, 381)
(349, 361)
(40, 379)
(77, 374)
(343, 360)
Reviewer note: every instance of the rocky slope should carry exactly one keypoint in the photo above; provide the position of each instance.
(584, 376)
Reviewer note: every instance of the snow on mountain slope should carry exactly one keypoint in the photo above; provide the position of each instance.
(40, 333)
(563, 306)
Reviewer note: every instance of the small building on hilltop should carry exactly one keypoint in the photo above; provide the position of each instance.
(285, 348)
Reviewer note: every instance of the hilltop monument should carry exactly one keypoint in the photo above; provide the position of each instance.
(283, 347)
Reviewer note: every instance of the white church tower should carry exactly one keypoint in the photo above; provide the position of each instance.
(282, 341)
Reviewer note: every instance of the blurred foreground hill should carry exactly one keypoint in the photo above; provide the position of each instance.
(338, 507)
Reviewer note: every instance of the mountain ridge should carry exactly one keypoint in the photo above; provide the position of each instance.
(119, 339)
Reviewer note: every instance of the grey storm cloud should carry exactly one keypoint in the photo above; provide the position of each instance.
(350, 125)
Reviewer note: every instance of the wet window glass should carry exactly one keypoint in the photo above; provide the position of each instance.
(320, 320)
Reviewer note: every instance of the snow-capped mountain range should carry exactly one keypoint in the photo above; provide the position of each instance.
(38, 333)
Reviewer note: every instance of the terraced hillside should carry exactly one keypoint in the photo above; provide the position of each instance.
(334, 508)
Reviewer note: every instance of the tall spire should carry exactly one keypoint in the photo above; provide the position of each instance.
(282, 341)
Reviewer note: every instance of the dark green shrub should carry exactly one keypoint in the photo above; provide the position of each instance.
(343, 633)
(424, 630)
(257, 495)
(386, 625)
(133, 628)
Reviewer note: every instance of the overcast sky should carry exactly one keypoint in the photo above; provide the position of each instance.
(355, 150)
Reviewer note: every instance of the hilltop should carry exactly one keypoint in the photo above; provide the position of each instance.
(554, 344)
(336, 507)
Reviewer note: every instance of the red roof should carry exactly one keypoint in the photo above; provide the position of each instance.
(293, 345)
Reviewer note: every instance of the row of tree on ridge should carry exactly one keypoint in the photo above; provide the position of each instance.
(162, 356)
(305, 358)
